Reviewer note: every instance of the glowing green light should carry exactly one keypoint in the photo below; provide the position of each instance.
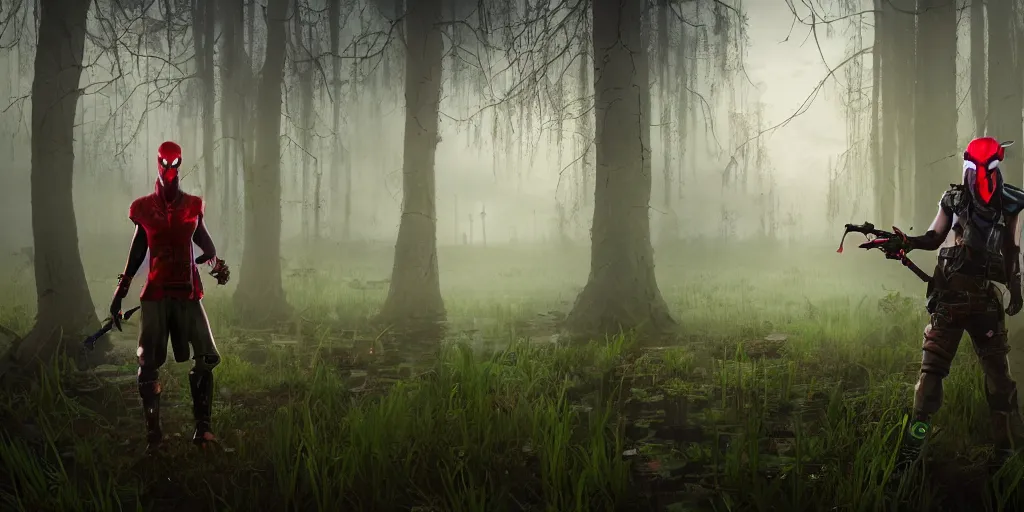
(919, 430)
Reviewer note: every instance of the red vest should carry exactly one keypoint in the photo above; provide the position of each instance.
(169, 228)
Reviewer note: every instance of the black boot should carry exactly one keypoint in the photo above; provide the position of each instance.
(150, 393)
(1006, 426)
(910, 448)
(201, 384)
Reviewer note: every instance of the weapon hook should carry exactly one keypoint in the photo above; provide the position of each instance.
(843, 239)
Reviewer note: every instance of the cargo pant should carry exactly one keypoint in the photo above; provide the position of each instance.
(975, 307)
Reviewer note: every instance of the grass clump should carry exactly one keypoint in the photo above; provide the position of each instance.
(467, 433)
(787, 391)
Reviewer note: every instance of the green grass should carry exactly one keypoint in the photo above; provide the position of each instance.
(504, 419)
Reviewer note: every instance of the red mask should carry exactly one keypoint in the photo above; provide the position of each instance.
(168, 159)
(981, 167)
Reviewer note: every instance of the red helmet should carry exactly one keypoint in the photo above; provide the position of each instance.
(981, 167)
(168, 159)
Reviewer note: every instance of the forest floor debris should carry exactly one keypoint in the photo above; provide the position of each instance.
(785, 405)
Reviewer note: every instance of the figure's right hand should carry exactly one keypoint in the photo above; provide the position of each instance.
(895, 246)
(115, 311)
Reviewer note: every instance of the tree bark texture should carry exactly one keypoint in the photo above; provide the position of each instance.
(304, 76)
(665, 91)
(415, 292)
(209, 92)
(1005, 121)
(883, 126)
(935, 104)
(341, 164)
(621, 290)
(586, 124)
(231, 110)
(260, 294)
(65, 308)
(978, 67)
(903, 31)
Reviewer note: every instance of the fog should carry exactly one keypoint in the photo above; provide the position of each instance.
(519, 179)
(586, 245)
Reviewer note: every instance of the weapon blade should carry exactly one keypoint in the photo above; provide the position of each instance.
(91, 340)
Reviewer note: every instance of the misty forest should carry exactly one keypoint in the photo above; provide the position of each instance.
(553, 255)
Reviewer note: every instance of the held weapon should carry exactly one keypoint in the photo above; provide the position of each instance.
(107, 326)
(877, 239)
(219, 271)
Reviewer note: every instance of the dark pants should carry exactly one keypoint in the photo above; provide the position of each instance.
(185, 324)
(975, 308)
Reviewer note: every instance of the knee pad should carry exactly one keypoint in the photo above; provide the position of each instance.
(205, 363)
(148, 374)
(935, 362)
(148, 380)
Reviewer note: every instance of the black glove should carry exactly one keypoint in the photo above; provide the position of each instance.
(115, 311)
(220, 271)
(1016, 301)
(895, 247)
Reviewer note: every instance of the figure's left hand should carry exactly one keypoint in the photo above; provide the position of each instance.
(1016, 303)
(203, 259)
(220, 271)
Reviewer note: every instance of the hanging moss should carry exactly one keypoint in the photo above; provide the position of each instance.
(856, 158)
(684, 106)
(584, 90)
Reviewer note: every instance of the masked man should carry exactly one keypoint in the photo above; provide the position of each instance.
(167, 222)
(983, 213)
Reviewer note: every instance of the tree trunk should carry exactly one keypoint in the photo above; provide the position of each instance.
(887, 175)
(1005, 121)
(260, 294)
(202, 30)
(304, 70)
(209, 92)
(415, 292)
(340, 160)
(882, 126)
(228, 62)
(683, 107)
(665, 91)
(231, 105)
(250, 21)
(935, 105)
(65, 308)
(621, 291)
(978, 81)
(905, 58)
(586, 123)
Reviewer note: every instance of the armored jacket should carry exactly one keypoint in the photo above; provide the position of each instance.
(169, 229)
(980, 232)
